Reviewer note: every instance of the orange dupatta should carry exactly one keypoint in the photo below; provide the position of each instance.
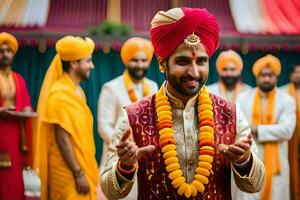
(271, 150)
(293, 151)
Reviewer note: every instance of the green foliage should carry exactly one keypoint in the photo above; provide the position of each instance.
(110, 29)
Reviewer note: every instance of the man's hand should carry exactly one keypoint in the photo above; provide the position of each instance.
(129, 153)
(82, 185)
(238, 152)
(254, 131)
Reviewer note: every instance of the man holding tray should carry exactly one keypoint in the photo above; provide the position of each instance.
(15, 123)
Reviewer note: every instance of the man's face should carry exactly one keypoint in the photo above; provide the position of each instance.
(295, 75)
(6, 55)
(84, 67)
(266, 79)
(187, 69)
(138, 66)
(230, 75)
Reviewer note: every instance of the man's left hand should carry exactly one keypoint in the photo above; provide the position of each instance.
(238, 152)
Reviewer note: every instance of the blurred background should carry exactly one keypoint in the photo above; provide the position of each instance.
(253, 28)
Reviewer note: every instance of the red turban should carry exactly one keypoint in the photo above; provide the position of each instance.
(167, 37)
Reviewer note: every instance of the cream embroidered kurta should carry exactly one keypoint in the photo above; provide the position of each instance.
(280, 132)
(115, 186)
(216, 89)
(112, 99)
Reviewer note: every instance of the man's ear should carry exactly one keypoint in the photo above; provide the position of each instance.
(73, 64)
(163, 67)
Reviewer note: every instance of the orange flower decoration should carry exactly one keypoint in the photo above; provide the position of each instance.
(205, 143)
(129, 86)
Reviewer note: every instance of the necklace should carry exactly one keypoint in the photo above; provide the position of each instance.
(129, 87)
(205, 143)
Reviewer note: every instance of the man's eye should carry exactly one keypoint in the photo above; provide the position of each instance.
(201, 61)
(182, 62)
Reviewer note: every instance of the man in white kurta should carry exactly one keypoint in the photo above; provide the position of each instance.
(267, 70)
(293, 89)
(136, 55)
(229, 67)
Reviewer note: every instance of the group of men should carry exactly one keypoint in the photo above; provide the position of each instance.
(183, 141)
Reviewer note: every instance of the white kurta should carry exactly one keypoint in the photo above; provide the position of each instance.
(111, 101)
(280, 132)
(216, 89)
(115, 186)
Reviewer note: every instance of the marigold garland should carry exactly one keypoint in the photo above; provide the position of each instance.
(205, 143)
(129, 87)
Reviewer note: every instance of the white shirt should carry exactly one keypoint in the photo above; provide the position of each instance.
(280, 132)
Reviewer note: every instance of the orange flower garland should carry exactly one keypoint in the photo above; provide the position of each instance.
(129, 87)
(205, 144)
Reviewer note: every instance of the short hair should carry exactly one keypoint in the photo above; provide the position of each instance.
(294, 67)
(66, 66)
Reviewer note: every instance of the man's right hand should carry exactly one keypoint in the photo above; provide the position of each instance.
(129, 153)
(82, 185)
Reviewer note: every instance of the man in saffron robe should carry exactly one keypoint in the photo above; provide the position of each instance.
(136, 54)
(15, 134)
(182, 142)
(293, 89)
(229, 67)
(64, 146)
(271, 114)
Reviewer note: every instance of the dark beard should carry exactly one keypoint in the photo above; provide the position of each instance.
(230, 80)
(136, 76)
(266, 88)
(5, 62)
(178, 85)
(82, 75)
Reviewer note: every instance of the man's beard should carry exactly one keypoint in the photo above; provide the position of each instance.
(266, 87)
(5, 62)
(82, 74)
(179, 85)
(135, 75)
(296, 82)
(230, 80)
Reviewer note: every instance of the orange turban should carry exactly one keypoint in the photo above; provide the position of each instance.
(267, 61)
(229, 56)
(74, 48)
(10, 40)
(133, 46)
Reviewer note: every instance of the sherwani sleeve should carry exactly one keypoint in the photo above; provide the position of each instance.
(107, 114)
(253, 181)
(113, 184)
(286, 121)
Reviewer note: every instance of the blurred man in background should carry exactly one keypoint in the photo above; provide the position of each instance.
(229, 67)
(293, 89)
(133, 85)
(15, 133)
(65, 148)
(271, 114)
